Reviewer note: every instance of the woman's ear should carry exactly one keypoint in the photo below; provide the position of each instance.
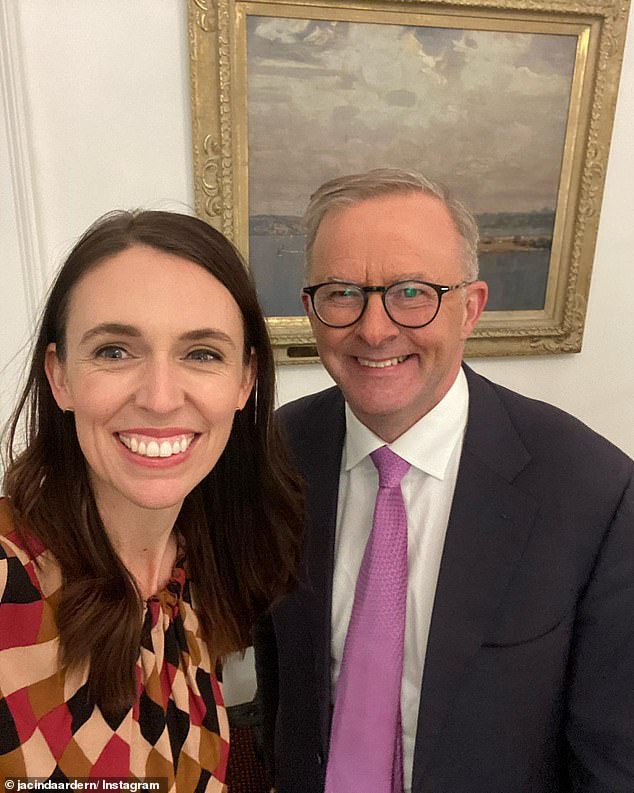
(248, 380)
(56, 376)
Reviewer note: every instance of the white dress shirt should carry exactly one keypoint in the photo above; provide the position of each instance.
(432, 446)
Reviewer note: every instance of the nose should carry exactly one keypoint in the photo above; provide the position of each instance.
(159, 389)
(375, 327)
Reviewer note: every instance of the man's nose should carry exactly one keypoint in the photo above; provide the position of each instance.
(375, 326)
(159, 388)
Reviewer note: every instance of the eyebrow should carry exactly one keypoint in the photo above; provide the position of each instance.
(120, 329)
(397, 279)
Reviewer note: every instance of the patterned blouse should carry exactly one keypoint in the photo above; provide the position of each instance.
(177, 728)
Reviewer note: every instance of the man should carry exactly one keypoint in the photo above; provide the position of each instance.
(512, 639)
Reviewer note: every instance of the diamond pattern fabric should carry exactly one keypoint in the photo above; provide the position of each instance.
(177, 728)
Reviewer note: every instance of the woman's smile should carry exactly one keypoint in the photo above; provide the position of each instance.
(157, 451)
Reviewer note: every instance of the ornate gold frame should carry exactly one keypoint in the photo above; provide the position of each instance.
(217, 41)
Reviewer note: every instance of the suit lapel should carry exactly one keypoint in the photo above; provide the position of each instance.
(320, 461)
(488, 528)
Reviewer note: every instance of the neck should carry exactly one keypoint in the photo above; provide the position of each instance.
(390, 426)
(144, 541)
(387, 428)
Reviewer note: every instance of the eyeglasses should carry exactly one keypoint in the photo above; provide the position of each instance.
(411, 304)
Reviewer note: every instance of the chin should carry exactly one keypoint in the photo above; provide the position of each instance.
(378, 404)
(158, 500)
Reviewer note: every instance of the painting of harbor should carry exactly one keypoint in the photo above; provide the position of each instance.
(483, 111)
(514, 258)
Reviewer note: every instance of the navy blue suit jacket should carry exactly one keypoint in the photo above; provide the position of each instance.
(528, 682)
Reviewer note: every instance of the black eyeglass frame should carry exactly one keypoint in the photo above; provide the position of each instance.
(439, 289)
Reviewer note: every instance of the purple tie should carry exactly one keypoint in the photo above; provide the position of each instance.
(366, 749)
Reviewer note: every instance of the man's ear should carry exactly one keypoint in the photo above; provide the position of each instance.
(56, 376)
(305, 303)
(475, 301)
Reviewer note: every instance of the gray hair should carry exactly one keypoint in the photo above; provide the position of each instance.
(351, 189)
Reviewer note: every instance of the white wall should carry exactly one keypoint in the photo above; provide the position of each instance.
(102, 120)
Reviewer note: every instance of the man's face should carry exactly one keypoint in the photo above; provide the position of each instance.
(375, 243)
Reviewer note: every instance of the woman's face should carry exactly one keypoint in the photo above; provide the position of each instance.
(154, 373)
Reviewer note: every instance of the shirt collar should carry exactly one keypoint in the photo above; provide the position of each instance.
(426, 445)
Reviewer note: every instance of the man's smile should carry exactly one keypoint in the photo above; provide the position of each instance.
(382, 363)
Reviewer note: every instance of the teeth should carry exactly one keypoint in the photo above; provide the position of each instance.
(152, 448)
(382, 364)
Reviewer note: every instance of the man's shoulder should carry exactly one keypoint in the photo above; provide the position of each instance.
(541, 425)
(313, 427)
(312, 407)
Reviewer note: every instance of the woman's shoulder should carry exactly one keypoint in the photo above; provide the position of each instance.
(7, 523)
(27, 574)
(13, 541)
(10, 544)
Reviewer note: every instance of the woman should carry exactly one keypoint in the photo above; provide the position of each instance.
(151, 516)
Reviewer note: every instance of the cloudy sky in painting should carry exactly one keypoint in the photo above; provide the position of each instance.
(485, 112)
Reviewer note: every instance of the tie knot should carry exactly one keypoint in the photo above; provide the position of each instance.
(390, 466)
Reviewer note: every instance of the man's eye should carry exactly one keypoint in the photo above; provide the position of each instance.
(112, 353)
(413, 293)
(203, 355)
(409, 292)
(336, 294)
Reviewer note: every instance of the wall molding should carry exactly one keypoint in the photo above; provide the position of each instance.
(13, 94)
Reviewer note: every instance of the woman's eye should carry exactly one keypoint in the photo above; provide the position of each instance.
(203, 355)
(112, 353)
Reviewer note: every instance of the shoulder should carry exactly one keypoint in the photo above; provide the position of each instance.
(7, 523)
(11, 544)
(25, 544)
(551, 436)
(26, 574)
(313, 428)
(313, 408)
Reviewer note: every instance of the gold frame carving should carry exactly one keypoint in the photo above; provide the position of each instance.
(217, 45)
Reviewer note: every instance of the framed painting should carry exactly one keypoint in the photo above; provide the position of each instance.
(508, 102)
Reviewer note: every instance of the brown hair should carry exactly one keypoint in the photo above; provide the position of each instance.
(241, 525)
(353, 188)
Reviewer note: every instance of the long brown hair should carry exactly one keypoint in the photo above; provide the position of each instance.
(241, 525)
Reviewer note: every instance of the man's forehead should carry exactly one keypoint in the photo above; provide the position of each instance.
(419, 210)
(406, 229)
